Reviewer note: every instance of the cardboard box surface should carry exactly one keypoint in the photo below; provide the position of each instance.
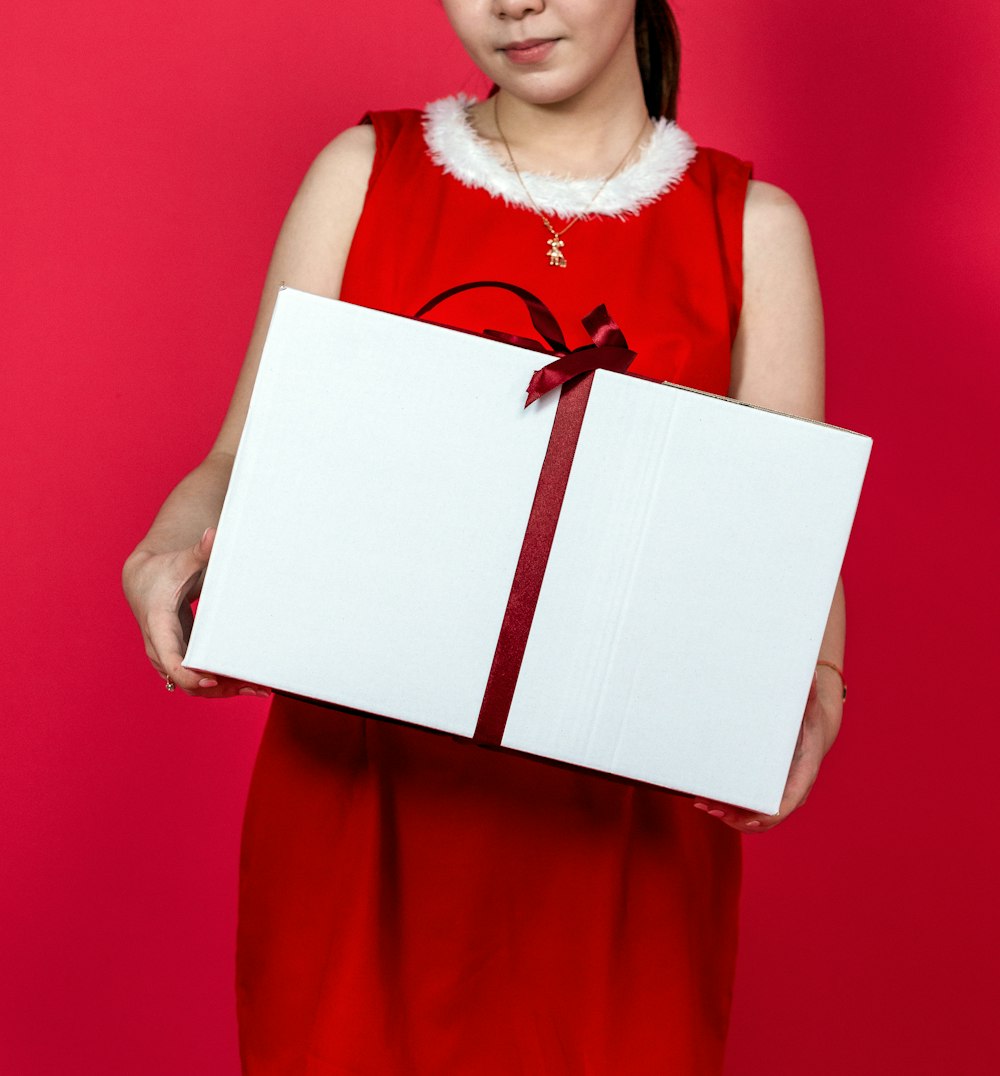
(376, 513)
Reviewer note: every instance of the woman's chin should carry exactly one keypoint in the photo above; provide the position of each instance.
(539, 87)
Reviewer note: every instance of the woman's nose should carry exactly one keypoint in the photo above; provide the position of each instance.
(517, 9)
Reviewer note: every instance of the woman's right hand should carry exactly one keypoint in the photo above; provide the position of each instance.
(160, 588)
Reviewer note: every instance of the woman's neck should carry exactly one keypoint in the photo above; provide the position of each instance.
(584, 136)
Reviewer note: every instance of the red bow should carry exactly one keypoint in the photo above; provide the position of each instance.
(609, 350)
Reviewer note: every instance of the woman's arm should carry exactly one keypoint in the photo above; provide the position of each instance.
(162, 576)
(778, 363)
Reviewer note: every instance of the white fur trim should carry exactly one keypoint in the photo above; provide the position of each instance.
(454, 145)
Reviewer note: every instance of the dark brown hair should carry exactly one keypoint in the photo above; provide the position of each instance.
(658, 46)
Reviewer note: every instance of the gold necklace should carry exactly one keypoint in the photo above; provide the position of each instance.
(555, 241)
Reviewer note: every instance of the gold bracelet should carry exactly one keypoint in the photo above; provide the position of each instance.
(838, 670)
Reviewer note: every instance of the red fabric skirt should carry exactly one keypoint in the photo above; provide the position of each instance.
(414, 904)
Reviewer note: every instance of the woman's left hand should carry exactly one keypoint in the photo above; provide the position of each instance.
(820, 725)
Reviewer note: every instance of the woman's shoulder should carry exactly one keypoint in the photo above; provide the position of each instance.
(355, 150)
(764, 197)
(351, 150)
(771, 215)
(328, 203)
(767, 209)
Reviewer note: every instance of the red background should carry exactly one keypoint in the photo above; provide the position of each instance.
(150, 152)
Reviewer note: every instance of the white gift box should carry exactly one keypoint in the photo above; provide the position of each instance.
(376, 513)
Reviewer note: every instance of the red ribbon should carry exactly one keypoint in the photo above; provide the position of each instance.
(609, 351)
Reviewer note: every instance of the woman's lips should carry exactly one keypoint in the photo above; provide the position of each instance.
(529, 52)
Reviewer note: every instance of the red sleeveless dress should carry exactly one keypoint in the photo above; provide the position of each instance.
(412, 904)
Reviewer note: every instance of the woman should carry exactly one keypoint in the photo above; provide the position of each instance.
(408, 903)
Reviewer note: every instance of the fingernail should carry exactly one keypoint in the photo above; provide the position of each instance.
(247, 691)
(263, 694)
(702, 806)
(717, 813)
(752, 825)
(206, 682)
